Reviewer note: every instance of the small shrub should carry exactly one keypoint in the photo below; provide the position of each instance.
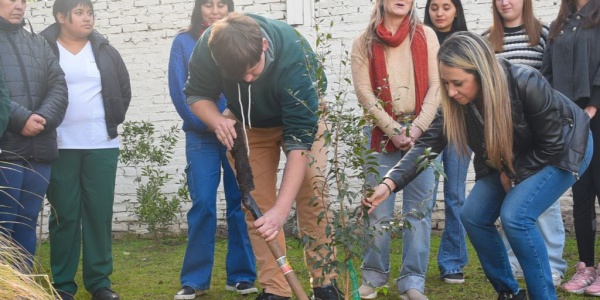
(149, 152)
(350, 162)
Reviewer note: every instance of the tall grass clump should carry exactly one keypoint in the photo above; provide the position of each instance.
(15, 280)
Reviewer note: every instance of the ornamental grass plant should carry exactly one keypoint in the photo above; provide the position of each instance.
(16, 283)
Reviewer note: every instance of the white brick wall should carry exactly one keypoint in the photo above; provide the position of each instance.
(142, 30)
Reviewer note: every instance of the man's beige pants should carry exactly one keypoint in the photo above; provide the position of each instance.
(265, 147)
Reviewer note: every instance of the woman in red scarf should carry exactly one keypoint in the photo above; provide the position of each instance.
(395, 76)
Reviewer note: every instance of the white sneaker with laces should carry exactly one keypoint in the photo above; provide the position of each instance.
(556, 278)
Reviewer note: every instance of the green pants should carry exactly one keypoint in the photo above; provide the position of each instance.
(81, 193)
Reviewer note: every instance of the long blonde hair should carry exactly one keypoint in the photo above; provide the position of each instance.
(473, 54)
(370, 35)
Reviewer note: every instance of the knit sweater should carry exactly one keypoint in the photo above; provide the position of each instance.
(181, 50)
(400, 69)
(517, 48)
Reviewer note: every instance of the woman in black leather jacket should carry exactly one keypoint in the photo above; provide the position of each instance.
(530, 144)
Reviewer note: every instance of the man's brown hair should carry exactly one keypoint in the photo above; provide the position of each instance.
(236, 43)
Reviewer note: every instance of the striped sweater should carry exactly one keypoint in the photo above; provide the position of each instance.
(517, 49)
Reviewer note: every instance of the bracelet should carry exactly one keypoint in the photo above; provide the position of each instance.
(388, 186)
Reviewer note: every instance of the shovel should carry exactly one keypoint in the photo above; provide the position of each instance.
(245, 182)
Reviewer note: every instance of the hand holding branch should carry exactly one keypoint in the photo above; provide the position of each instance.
(379, 195)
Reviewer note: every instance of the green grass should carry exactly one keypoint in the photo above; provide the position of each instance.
(146, 271)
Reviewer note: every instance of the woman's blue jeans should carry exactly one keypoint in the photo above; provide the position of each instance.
(518, 211)
(552, 229)
(206, 156)
(23, 185)
(452, 255)
(417, 204)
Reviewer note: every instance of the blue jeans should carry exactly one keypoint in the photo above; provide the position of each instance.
(417, 204)
(23, 188)
(452, 255)
(552, 229)
(206, 156)
(518, 211)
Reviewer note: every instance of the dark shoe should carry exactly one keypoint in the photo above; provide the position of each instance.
(521, 295)
(62, 295)
(242, 288)
(268, 296)
(328, 292)
(187, 293)
(456, 278)
(105, 294)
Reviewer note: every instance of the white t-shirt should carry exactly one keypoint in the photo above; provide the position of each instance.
(84, 126)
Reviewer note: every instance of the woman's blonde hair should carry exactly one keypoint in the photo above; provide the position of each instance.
(370, 35)
(473, 54)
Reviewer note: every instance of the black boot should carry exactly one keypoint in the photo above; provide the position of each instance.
(328, 292)
(105, 294)
(268, 296)
(521, 295)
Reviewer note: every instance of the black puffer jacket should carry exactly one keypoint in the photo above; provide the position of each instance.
(549, 129)
(116, 87)
(36, 84)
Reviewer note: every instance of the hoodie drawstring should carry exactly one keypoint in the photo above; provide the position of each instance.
(248, 113)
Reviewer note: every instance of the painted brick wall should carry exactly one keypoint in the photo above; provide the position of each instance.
(142, 30)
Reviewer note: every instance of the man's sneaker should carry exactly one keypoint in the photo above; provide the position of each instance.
(242, 288)
(413, 294)
(268, 296)
(521, 295)
(455, 278)
(328, 292)
(594, 288)
(187, 293)
(556, 278)
(584, 276)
